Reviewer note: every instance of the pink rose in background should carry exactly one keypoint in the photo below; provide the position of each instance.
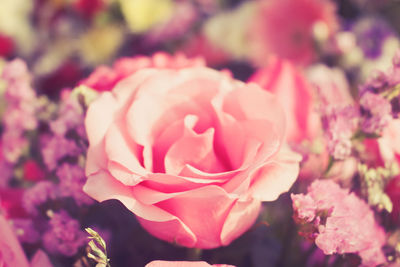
(184, 264)
(191, 152)
(105, 78)
(300, 96)
(11, 253)
(295, 94)
(285, 28)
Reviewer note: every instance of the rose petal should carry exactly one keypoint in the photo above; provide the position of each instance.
(194, 149)
(157, 103)
(124, 156)
(127, 89)
(276, 177)
(167, 138)
(294, 93)
(102, 186)
(211, 203)
(173, 231)
(98, 119)
(251, 102)
(240, 218)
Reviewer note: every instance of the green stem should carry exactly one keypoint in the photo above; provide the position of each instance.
(329, 167)
(194, 254)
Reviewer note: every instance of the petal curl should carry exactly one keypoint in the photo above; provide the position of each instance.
(242, 215)
(211, 203)
(276, 176)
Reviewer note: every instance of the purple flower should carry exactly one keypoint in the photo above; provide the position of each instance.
(70, 117)
(339, 124)
(371, 34)
(64, 235)
(72, 178)
(19, 115)
(25, 230)
(54, 148)
(38, 194)
(376, 112)
(6, 171)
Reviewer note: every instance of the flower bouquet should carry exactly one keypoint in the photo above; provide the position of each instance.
(200, 133)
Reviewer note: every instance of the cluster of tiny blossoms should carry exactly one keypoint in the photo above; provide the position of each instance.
(50, 173)
(378, 105)
(18, 117)
(331, 215)
(342, 221)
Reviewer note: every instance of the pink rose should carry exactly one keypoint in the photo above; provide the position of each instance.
(105, 78)
(11, 253)
(299, 97)
(286, 28)
(293, 39)
(184, 264)
(295, 94)
(191, 152)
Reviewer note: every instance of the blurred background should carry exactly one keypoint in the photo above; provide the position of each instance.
(64, 40)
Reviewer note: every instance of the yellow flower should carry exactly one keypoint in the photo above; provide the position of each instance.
(15, 22)
(100, 44)
(142, 15)
(228, 30)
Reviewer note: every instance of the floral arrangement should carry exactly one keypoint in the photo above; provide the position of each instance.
(199, 133)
